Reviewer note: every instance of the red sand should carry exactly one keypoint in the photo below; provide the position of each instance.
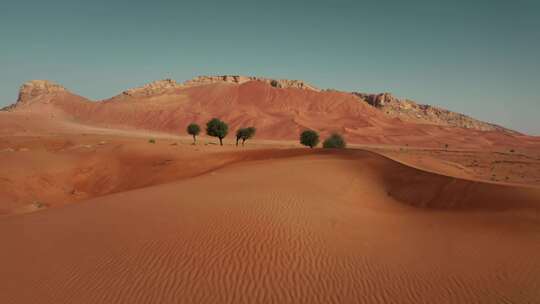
(277, 114)
(317, 228)
(122, 220)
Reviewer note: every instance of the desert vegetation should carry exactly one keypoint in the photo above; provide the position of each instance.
(193, 129)
(217, 128)
(335, 141)
(309, 138)
(245, 134)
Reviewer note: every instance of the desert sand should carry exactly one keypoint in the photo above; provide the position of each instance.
(291, 227)
(93, 212)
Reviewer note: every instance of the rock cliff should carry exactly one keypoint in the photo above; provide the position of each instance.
(404, 109)
(411, 111)
(36, 88)
(153, 88)
(235, 79)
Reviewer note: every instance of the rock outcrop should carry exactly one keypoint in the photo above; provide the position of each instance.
(37, 88)
(8, 107)
(236, 79)
(406, 110)
(411, 111)
(154, 88)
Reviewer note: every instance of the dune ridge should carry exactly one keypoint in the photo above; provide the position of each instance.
(322, 234)
(70, 169)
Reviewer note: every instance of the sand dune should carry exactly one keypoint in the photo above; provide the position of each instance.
(284, 227)
(122, 220)
(53, 170)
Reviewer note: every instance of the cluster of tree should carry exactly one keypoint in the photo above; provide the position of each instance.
(217, 128)
(310, 139)
(220, 129)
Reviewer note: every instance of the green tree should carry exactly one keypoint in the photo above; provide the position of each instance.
(335, 141)
(245, 134)
(193, 129)
(217, 128)
(309, 138)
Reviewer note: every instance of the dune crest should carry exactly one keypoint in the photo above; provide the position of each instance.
(304, 237)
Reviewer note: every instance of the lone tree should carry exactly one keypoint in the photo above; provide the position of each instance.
(193, 129)
(335, 141)
(245, 134)
(217, 128)
(309, 138)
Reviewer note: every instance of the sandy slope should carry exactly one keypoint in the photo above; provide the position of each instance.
(72, 162)
(287, 228)
(269, 223)
(277, 114)
(510, 166)
(51, 170)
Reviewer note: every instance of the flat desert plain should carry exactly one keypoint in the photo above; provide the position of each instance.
(96, 215)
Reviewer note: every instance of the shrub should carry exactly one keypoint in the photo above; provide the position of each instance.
(152, 141)
(335, 141)
(193, 129)
(245, 134)
(217, 128)
(309, 138)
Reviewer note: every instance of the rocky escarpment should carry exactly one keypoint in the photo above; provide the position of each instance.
(43, 91)
(235, 79)
(37, 88)
(411, 111)
(8, 107)
(153, 88)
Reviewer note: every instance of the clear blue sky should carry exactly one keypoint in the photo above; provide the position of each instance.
(476, 57)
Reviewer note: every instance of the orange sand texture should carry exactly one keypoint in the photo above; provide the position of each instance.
(93, 214)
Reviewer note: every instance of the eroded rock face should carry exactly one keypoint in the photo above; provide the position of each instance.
(236, 79)
(411, 111)
(404, 109)
(153, 88)
(36, 88)
(378, 100)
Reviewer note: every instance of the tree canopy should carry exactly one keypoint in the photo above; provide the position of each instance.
(245, 134)
(335, 141)
(217, 128)
(193, 129)
(309, 138)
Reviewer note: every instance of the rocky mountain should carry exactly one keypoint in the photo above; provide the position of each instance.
(153, 88)
(411, 111)
(277, 83)
(44, 95)
(279, 109)
(168, 85)
(36, 88)
(404, 109)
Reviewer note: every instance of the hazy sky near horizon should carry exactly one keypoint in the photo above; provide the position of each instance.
(477, 57)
